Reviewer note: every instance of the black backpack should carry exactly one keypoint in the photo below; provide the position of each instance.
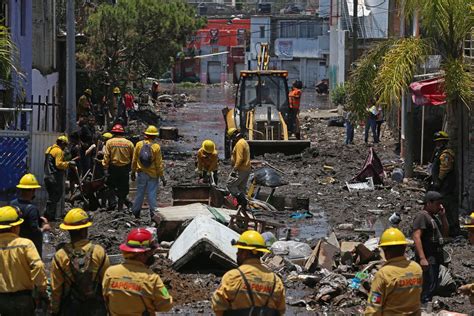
(146, 155)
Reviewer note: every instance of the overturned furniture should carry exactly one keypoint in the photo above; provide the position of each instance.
(173, 217)
(197, 193)
(204, 242)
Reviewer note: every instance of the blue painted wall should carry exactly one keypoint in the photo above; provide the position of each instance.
(21, 15)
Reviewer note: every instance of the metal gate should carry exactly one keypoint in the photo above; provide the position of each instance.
(14, 161)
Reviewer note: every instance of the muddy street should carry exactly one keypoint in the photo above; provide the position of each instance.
(318, 176)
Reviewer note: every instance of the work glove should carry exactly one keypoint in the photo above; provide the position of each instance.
(163, 180)
(133, 176)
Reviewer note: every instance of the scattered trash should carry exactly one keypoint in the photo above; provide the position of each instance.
(268, 177)
(301, 215)
(361, 186)
(395, 219)
(398, 175)
(346, 226)
(291, 249)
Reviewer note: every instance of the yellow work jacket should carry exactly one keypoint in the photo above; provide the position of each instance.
(241, 155)
(132, 288)
(157, 166)
(396, 289)
(232, 293)
(118, 152)
(207, 162)
(61, 275)
(21, 267)
(446, 163)
(55, 160)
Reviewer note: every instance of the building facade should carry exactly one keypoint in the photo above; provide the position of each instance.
(298, 44)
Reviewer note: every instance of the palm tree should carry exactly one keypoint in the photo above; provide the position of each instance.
(385, 71)
(7, 53)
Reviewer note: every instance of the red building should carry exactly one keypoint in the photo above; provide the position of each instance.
(217, 50)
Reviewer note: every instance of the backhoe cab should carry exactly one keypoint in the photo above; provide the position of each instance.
(261, 107)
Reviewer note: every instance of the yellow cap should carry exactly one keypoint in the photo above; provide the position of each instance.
(107, 135)
(9, 217)
(392, 237)
(116, 90)
(151, 130)
(63, 138)
(231, 131)
(28, 181)
(208, 146)
(251, 240)
(88, 91)
(75, 219)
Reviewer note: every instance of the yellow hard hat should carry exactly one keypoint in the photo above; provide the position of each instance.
(251, 240)
(116, 90)
(63, 138)
(107, 135)
(231, 131)
(208, 146)
(28, 181)
(470, 224)
(75, 219)
(151, 130)
(9, 217)
(441, 135)
(88, 91)
(392, 237)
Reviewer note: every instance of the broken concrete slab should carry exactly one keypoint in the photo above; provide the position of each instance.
(204, 241)
(322, 256)
(365, 255)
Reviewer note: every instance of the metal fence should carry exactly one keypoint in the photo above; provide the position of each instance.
(14, 160)
(40, 114)
(26, 130)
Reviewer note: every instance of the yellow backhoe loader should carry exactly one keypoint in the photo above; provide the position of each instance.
(261, 106)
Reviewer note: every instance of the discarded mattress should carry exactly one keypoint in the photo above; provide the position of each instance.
(204, 236)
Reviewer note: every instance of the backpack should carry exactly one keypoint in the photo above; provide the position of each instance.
(83, 286)
(146, 155)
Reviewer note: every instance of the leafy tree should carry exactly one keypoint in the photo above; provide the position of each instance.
(385, 71)
(339, 95)
(136, 38)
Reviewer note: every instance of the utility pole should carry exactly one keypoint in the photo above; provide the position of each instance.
(70, 67)
(355, 26)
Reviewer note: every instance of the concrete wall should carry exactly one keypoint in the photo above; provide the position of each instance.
(44, 36)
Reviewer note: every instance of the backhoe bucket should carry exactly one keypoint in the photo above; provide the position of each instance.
(287, 147)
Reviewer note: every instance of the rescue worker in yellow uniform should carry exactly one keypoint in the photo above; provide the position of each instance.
(132, 288)
(148, 163)
(251, 289)
(34, 224)
(294, 107)
(84, 104)
(117, 161)
(238, 178)
(207, 161)
(443, 176)
(77, 270)
(54, 171)
(396, 287)
(21, 268)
